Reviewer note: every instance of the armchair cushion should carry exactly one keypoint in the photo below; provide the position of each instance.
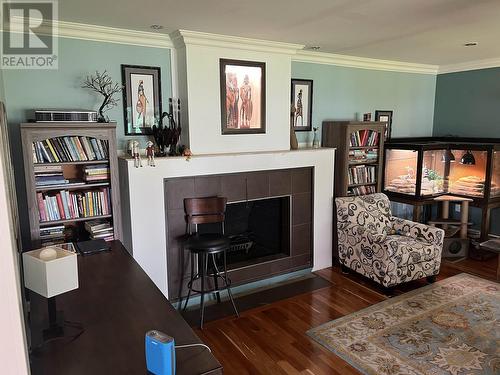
(405, 250)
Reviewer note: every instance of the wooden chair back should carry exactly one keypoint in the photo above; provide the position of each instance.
(205, 210)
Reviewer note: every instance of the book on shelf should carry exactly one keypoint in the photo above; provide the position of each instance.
(52, 231)
(55, 234)
(362, 174)
(361, 190)
(66, 205)
(93, 173)
(68, 149)
(364, 138)
(100, 230)
(363, 156)
(53, 175)
(50, 180)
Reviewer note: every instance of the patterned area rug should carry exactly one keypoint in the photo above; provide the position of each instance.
(449, 327)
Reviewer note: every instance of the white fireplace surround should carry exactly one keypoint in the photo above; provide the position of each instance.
(143, 199)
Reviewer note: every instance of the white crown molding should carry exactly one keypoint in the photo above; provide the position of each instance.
(363, 62)
(182, 38)
(74, 30)
(113, 35)
(470, 65)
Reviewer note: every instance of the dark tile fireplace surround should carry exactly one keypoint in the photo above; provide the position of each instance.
(272, 209)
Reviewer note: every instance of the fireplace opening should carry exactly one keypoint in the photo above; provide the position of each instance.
(259, 231)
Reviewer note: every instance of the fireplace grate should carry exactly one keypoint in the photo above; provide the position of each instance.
(240, 242)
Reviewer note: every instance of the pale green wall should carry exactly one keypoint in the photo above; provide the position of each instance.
(342, 93)
(26, 90)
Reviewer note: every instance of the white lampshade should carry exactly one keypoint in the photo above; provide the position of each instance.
(50, 271)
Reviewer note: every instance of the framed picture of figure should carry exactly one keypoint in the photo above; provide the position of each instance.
(243, 96)
(385, 116)
(301, 104)
(141, 98)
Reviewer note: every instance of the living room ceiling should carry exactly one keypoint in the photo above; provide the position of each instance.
(422, 31)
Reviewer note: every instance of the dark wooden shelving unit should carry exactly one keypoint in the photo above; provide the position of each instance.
(72, 187)
(363, 162)
(338, 134)
(364, 147)
(56, 222)
(364, 184)
(35, 132)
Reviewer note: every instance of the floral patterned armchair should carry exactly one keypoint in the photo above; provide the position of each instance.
(384, 248)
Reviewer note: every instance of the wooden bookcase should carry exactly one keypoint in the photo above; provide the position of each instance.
(38, 132)
(338, 134)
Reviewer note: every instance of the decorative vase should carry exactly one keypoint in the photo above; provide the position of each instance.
(294, 144)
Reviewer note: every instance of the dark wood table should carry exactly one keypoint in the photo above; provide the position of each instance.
(117, 304)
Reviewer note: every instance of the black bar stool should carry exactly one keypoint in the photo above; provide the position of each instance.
(207, 247)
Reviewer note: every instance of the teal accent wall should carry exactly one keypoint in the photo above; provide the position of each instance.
(341, 93)
(26, 90)
(467, 103)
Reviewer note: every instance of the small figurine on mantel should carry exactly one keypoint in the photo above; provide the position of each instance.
(130, 146)
(136, 153)
(315, 143)
(150, 153)
(186, 152)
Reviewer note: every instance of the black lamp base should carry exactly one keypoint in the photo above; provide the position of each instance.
(56, 328)
(57, 323)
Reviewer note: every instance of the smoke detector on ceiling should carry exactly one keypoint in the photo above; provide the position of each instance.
(156, 27)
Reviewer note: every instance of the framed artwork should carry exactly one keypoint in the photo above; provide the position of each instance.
(141, 98)
(243, 96)
(385, 116)
(301, 104)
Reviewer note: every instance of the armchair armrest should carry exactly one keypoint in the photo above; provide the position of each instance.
(418, 231)
(360, 231)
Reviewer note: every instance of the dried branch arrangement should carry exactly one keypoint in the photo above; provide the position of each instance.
(103, 85)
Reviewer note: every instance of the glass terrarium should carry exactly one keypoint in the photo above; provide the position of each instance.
(468, 173)
(417, 170)
(495, 179)
(476, 171)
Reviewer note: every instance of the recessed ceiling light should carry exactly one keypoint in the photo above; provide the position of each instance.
(156, 27)
(313, 48)
(470, 44)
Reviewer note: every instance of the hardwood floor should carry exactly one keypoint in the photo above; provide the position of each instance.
(271, 339)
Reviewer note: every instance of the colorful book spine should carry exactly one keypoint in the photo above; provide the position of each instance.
(52, 150)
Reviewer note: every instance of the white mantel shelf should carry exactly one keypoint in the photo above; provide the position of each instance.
(143, 199)
(175, 158)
